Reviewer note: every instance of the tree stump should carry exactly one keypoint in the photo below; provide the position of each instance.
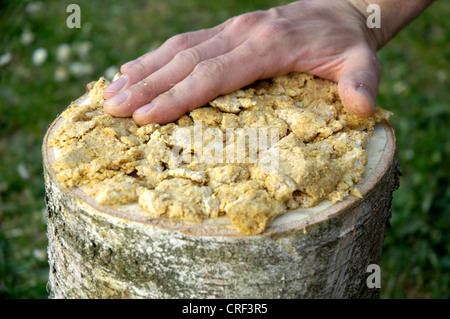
(320, 252)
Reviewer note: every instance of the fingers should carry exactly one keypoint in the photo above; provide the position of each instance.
(162, 80)
(136, 70)
(358, 82)
(158, 71)
(209, 79)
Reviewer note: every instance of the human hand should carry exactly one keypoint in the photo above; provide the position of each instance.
(328, 39)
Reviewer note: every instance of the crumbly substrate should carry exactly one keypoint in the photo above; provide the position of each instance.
(275, 145)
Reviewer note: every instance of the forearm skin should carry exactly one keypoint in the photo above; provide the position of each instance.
(395, 15)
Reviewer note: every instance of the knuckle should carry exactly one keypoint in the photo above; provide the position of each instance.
(275, 29)
(136, 72)
(364, 52)
(177, 95)
(140, 93)
(179, 41)
(249, 48)
(246, 20)
(188, 56)
(138, 69)
(211, 67)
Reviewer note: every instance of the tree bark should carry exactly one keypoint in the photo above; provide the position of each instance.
(321, 252)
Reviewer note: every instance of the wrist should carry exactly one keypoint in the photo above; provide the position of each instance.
(377, 35)
(392, 16)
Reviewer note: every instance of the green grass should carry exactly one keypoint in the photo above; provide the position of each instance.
(415, 86)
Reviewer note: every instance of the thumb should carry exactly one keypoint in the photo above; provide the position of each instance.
(358, 82)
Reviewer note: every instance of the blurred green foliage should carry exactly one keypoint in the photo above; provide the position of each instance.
(415, 87)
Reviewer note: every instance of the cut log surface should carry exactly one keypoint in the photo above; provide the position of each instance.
(320, 252)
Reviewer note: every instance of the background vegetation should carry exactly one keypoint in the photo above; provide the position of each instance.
(44, 66)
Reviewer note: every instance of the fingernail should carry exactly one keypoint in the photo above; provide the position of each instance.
(367, 92)
(131, 63)
(146, 108)
(117, 99)
(118, 84)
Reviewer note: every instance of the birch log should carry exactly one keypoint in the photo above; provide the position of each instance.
(320, 252)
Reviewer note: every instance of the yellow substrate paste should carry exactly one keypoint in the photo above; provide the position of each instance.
(253, 154)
